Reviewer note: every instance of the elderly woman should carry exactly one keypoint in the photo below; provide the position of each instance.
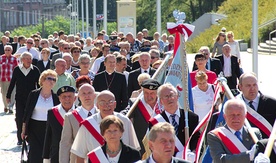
(75, 52)
(203, 95)
(84, 62)
(44, 64)
(94, 54)
(114, 150)
(35, 116)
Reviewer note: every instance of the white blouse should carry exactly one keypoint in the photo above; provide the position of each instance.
(202, 101)
(41, 108)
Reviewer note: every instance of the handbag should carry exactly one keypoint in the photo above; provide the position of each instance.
(24, 152)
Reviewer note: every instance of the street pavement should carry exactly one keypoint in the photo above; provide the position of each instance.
(10, 152)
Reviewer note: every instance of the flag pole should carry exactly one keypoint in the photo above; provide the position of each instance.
(229, 94)
(271, 141)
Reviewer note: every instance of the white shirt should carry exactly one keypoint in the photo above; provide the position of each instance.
(32, 50)
(24, 70)
(202, 101)
(255, 102)
(126, 75)
(227, 66)
(233, 131)
(87, 48)
(41, 108)
(92, 111)
(177, 117)
(96, 65)
(151, 160)
(143, 70)
(235, 48)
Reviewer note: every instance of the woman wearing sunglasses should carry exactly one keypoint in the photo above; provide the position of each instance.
(220, 41)
(38, 103)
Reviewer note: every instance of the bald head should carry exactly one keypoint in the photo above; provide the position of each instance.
(87, 96)
(249, 85)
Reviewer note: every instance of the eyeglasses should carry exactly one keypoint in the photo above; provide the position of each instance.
(51, 79)
(169, 96)
(104, 103)
(205, 53)
(66, 48)
(29, 43)
(222, 35)
(85, 63)
(152, 57)
(76, 51)
(42, 43)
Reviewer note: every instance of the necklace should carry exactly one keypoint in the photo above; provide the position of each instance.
(113, 152)
(74, 63)
(108, 85)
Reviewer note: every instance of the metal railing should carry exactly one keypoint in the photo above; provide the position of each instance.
(270, 41)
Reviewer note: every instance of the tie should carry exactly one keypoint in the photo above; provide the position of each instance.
(238, 135)
(251, 105)
(174, 123)
(89, 114)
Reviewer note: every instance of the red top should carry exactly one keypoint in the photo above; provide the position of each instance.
(7, 66)
(212, 77)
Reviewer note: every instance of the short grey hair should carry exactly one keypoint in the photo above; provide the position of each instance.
(7, 46)
(59, 60)
(83, 57)
(156, 52)
(234, 102)
(67, 55)
(25, 54)
(166, 85)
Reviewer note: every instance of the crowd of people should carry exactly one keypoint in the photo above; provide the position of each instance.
(93, 100)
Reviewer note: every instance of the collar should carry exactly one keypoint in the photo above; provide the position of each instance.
(177, 112)
(21, 66)
(256, 100)
(143, 70)
(92, 111)
(233, 131)
(224, 56)
(151, 160)
(109, 73)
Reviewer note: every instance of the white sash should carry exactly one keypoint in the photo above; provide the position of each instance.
(178, 143)
(97, 155)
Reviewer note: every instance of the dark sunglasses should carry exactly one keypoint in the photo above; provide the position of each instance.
(29, 43)
(51, 79)
(66, 48)
(152, 57)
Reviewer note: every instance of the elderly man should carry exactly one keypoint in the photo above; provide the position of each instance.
(72, 122)
(113, 81)
(154, 55)
(230, 66)
(55, 120)
(144, 61)
(232, 142)
(44, 43)
(7, 65)
(134, 44)
(68, 58)
(162, 144)
(170, 46)
(147, 107)
(29, 48)
(213, 64)
(263, 106)
(64, 78)
(25, 78)
(168, 96)
(63, 48)
(86, 141)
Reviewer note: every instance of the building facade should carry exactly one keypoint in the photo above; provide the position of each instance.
(18, 13)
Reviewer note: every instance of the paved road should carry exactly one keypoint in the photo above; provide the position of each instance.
(10, 152)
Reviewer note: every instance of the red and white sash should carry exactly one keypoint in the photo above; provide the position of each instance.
(145, 111)
(77, 116)
(258, 120)
(58, 115)
(93, 127)
(230, 140)
(158, 118)
(97, 155)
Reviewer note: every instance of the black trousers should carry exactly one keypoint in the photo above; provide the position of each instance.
(230, 82)
(20, 106)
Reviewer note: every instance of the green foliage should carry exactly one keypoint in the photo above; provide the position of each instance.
(111, 27)
(239, 20)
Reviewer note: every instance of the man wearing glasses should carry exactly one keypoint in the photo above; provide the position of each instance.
(174, 115)
(63, 48)
(29, 48)
(85, 140)
(7, 65)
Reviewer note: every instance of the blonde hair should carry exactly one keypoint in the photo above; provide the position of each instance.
(45, 73)
(200, 76)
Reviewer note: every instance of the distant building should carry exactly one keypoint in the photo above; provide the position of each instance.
(18, 13)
